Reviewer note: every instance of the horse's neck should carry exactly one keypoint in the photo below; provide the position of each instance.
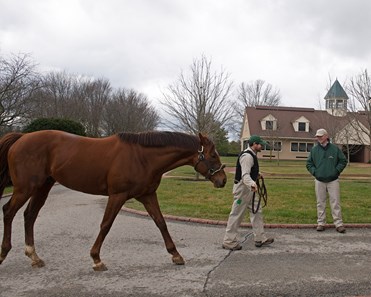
(171, 158)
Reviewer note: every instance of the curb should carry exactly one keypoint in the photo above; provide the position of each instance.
(243, 225)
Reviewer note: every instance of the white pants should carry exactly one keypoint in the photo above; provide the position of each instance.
(333, 190)
(243, 201)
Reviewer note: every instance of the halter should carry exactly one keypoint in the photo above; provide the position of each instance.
(210, 171)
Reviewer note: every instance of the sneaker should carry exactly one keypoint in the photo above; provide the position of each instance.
(235, 248)
(320, 228)
(340, 229)
(264, 243)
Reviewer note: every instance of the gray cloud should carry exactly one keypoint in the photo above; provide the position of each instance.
(143, 44)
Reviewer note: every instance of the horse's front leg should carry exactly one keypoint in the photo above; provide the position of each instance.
(114, 204)
(150, 202)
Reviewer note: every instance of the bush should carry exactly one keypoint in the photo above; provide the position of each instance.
(55, 124)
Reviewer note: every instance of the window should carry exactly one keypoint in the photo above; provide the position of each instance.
(269, 122)
(266, 147)
(330, 104)
(294, 146)
(341, 104)
(277, 146)
(301, 126)
(301, 146)
(269, 125)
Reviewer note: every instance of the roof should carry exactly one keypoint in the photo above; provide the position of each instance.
(336, 91)
(286, 116)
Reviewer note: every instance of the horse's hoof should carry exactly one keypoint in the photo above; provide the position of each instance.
(178, 260)
(2, 258)
(38, 264)
(100, 267)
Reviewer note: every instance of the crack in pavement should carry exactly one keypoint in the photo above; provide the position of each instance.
(204, 289)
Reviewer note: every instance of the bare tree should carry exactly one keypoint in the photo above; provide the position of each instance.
(252, 94)
(359, 88)
(95, 94)
(73, 97)
(274, 142)
(26, 95)
(54, 99)
(198, 101)
(130, 112)
(18, 81)
(256, 93)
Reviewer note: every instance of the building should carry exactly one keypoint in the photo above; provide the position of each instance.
(290, 131)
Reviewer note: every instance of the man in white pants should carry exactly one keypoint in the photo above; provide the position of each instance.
(325, 162)
(247, 173)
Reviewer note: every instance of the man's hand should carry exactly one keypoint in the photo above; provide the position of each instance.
(254, 187)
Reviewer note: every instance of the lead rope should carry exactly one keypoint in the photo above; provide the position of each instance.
(262, 193)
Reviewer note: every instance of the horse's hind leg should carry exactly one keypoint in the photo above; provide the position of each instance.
(10, 209)
(30, 214)
(151, 204)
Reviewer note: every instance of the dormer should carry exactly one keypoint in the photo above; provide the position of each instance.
(301, 124)
(269, 123)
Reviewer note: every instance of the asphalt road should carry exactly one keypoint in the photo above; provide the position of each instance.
(301, 262)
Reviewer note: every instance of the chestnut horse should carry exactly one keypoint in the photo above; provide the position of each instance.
(121, 166)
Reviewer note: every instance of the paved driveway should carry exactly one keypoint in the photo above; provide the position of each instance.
(302, 262)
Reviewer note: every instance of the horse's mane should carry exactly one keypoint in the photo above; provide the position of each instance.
(161, 139)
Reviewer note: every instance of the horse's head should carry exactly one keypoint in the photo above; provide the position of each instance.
(208, 163)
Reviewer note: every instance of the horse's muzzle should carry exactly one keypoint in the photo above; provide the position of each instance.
(220, 184)
(220, 179)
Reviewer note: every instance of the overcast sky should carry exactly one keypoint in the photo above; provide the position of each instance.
(295, 45)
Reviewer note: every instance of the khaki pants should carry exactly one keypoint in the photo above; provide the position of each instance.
(242, 201)
(333, 190)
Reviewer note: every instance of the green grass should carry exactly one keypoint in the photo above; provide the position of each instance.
(291, 198)
(8, 190)
(289, 201)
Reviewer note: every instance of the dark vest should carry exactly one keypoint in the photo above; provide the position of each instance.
(254, 173)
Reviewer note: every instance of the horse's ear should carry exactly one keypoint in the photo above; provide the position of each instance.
(203, 139)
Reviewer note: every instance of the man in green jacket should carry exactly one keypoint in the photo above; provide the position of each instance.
(325, 162)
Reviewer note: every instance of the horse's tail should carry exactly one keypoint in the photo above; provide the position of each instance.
(5, 143)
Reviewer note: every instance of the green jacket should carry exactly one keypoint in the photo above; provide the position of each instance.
(326, 163)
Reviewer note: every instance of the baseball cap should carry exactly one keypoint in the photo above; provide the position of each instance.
(257, 139)
(321, 132)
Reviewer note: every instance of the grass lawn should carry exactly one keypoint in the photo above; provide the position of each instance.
(291, 198)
